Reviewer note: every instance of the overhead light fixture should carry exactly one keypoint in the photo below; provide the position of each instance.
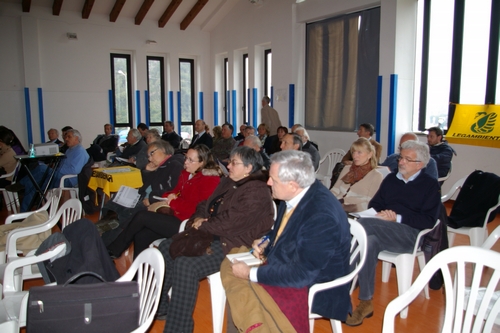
(72, 35)
(150, 41)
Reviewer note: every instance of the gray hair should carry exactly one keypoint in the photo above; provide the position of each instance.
(75, 133)
(254, 141)
(136, 134)
(266, 99)
(53, 129)
(163, 146)
(294, 166)
(304, 135)
(154, 133)
(420, 148)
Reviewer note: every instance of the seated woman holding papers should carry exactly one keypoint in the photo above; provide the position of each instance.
(358, 182)
(200, 177)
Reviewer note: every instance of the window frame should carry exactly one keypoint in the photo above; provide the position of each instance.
(128, 59)
(162, 90)
(193, 105)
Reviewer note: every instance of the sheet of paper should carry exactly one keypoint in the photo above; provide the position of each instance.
(117, 170)
(127, 196)
(246, 257)
(366, 213)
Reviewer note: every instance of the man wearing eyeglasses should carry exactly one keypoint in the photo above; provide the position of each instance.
(392, 160)
(406, 203)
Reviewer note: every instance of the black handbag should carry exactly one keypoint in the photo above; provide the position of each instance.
(98, 307)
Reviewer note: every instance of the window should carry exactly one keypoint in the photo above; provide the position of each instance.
(186, 84)
(226, 90)
(121, 85)
(457, 58)
(246, 104)
(156, 92)
(268, 68)
(342, 57)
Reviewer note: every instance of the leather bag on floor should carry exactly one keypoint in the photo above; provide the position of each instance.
(98, 307)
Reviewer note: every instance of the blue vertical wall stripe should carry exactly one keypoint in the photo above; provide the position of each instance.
(147, 111)
(110, 101)
(379, 109)
(228, 107)
(392, 114)
(40, 113)
(171, 106)
(216, 108)
(200, 105)
(272, 96)
(291, 105)
(233, 120)
(254, 106)
(179, 111)
(28, 114)
(137, 106)
(251, 114)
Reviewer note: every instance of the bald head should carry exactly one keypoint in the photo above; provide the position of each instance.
(407, 137)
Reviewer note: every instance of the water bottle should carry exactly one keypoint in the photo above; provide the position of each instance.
(32, 150)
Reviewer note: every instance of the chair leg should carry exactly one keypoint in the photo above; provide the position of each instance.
(336, 326)
(404, 272)
(477, 236)
(218, 298)
(311, 325)
(451, 238)
(386, 271)
(421, 265)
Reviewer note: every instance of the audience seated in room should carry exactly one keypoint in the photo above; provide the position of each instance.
(16, 145)
(440, 150)
(217, 130)
(392, 160)
(53, 136)
(263, 133)
(309, 244)
(142, 128)
(291, 141)
(365, 130)
(253, 142)
(7, 161)
(141, 160)
(64, 147)
(249, 130)
(358, 182)
(133, 145)
(241, 135)
(238, 211)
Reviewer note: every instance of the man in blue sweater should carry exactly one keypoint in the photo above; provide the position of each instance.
(407, 202)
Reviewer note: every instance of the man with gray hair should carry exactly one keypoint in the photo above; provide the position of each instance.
(308, 244)
(406, 203)
(133, 146)
(308, 147)
(254, 142)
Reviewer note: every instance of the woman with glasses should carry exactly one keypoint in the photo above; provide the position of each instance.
(197, 181)
(238, 211)
(358, 182)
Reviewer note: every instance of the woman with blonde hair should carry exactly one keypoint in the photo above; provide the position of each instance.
(359, 182)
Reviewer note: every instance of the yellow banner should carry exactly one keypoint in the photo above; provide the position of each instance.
(475, 125)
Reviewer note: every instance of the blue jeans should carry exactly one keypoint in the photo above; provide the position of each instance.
(382, 236)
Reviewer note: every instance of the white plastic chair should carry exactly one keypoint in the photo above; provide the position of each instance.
(442, 179)
(11, 199)
(358, 252)
(73, 191)
(149, 270)
(460, 315)
(69, 212)
(15, 302)
(328, 163)
(404, 263)
(477, 235)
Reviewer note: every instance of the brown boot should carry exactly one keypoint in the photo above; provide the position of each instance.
(364, 310)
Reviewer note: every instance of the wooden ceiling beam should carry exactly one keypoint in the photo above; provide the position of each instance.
(56, 7)
(117, 8)
(87, 8)
(26, 6)
(192, 14)
(143, 11)
(172, 7)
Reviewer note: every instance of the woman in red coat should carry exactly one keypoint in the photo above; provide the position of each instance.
(198, 180)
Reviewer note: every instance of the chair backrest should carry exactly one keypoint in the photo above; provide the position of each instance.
(455, 265)
(11, 174)
(69, 212)
(326, 165)
(149, 270)
(421, 234)
(358, 252)
(454, 189)
(442, 179)
(492, 239)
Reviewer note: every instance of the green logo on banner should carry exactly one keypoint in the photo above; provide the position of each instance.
(485, 123)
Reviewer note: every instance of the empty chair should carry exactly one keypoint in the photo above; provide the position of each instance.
(326, 165)
(477, 200)
(404, 263)
(358, 254)
(11, 199)
(460, 314)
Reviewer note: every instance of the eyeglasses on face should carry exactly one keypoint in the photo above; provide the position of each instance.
(190, 160)
(152, 152)
(407, 160)
(234, 162)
